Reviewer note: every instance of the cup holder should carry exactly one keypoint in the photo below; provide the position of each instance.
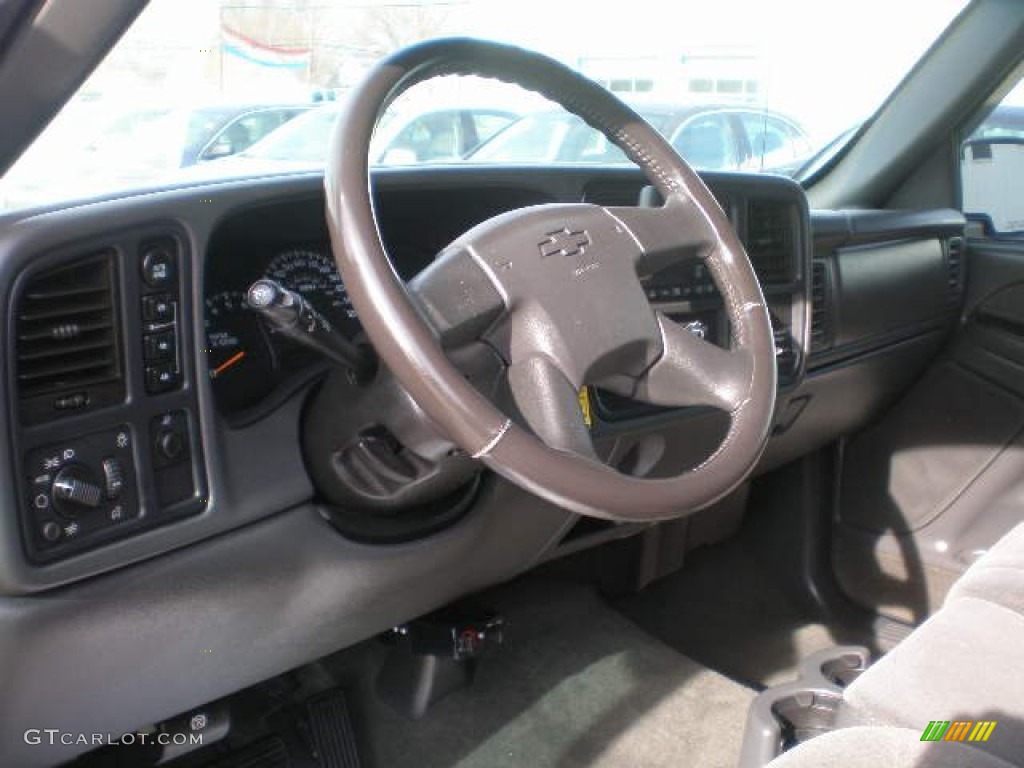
(835, 667)
(845, 669)
(805, 714)
(791, 713)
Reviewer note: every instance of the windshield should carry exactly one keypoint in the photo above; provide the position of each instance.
(303, 140)
(555, 136)
(208, 89)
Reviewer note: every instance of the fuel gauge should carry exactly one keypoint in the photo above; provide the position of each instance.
(240, 360)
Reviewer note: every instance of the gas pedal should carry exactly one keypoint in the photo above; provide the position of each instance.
(331, 730)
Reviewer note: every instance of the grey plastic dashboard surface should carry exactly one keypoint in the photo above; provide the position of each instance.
(257, 471)
(266, 584)
(231, 502)
(871, 257)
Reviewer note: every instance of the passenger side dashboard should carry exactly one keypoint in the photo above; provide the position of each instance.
(880, 277)
(886, 289)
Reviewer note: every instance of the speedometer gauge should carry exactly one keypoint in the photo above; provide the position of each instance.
(313, 274)
(240, 361)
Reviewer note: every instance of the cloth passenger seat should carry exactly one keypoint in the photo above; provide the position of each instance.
(965, 663)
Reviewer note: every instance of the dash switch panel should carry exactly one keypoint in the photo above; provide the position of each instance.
(80, 490)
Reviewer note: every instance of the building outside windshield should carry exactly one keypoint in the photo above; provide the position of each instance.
(201, 88)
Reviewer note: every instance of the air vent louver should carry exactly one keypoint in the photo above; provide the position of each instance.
(68, 356)
(770, 239)
(819, 306)
(955, 265)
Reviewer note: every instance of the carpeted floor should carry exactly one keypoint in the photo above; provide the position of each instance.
(576, 684)
(728, 609)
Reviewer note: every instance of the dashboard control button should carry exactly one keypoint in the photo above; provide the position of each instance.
(170, 444)
(158, 267)
(113, 478)
(159, 346)
(86, 485)
(161, 378)
(158, 309)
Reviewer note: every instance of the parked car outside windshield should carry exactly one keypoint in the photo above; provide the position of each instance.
(432, 136)
(709, 137)
(129, 145)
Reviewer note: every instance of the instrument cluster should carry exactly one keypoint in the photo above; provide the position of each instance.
(247, 361)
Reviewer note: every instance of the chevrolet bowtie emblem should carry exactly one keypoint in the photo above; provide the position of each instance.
(564, 242)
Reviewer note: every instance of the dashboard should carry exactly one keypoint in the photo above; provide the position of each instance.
(139, 380)
(248, 363)
(253, 369)
(156, 474)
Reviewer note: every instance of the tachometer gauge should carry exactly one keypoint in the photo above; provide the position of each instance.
(240, 360)
(314, 274)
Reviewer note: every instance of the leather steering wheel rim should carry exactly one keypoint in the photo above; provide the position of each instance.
(409, 345)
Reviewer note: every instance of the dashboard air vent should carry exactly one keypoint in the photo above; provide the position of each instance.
(819, 306)
(770, 239)
(955, 265)
(68, 352)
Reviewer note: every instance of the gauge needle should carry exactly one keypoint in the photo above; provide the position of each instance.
(228, 363)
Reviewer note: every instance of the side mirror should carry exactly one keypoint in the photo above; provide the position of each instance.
(992, 179)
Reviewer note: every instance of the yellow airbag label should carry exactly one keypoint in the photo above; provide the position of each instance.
(588, 417)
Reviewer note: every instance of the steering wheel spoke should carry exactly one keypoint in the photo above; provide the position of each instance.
(667, 234)
(457, 297)
(692, 371)
(549, 405)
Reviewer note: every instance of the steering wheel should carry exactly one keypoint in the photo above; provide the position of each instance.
(556, 289)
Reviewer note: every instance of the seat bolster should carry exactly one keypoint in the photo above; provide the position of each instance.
(999, 584)
(884, 747)
(964, 663)
(997, 576)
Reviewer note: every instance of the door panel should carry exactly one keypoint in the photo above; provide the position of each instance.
(940, 477)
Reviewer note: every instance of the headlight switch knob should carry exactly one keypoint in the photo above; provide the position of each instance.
(73, 487)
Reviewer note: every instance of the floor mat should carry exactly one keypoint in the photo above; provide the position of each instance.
(728, 609)
(576, 684)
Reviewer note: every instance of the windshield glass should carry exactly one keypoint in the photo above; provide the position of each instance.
(303, 140)
(210, 89)
(555, 136)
